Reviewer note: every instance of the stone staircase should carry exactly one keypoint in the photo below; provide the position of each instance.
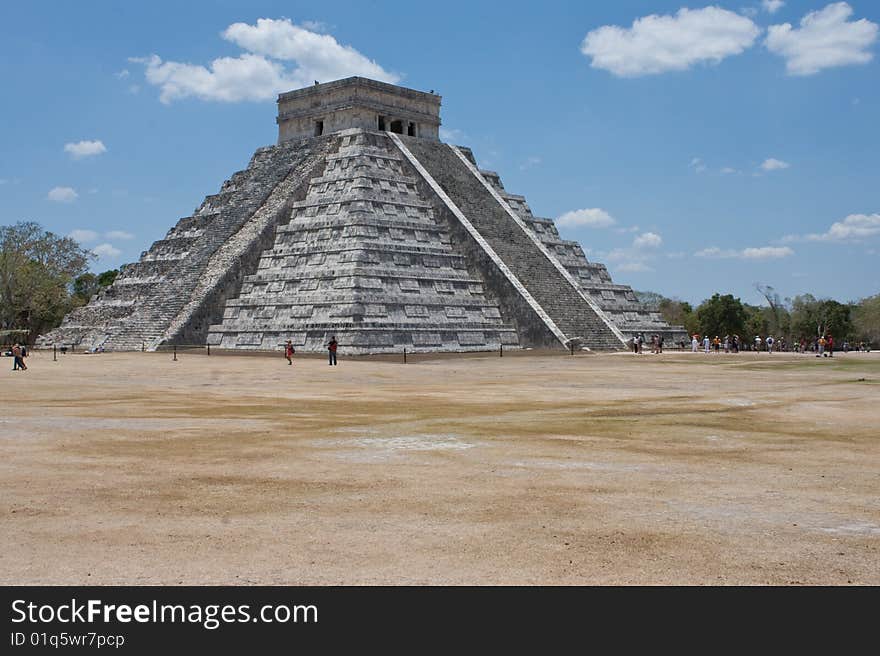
(362, 257)
(558, 297)
(138, 309)
(618, 302)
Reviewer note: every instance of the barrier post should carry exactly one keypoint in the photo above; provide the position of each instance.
(404, 355)
(501, 350)
(54, 354)
(209, 349)
(175, 353)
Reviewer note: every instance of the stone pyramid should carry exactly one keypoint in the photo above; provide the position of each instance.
(361, 224)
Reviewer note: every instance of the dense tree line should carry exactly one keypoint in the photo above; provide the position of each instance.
(43, 276)
(803, 316)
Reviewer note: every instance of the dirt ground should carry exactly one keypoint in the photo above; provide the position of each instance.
(534, 469)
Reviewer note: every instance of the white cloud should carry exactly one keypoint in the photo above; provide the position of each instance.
(230, 79)
(754, 253)
(648, 240)
(766, 252)
(772, 164)
(315, 26)
(258, 74)
(631, 260)
(122, 74)
(657, 44)
(529, 163)
(634, 267)
(83, 235)
(82, 149)
(853, 228)
(118, 234)
(697, 165)
(824, 40)
(62, 194)
(106, 250)
(772, 6)
(588, 217)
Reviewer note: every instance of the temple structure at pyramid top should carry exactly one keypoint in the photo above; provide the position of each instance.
(357, 102)
(361, 225)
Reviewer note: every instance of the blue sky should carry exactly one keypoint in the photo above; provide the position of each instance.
(692, 148)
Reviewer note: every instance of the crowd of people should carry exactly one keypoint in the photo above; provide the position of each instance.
(638, 342)
(822, 345)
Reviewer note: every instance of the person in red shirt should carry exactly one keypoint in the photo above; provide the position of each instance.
(829, 345)
(331, 350)
(289, 351)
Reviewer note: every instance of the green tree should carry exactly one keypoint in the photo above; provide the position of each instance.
(88, 284)
(811, 317)
(721, 315)
(85, 286)
(37, 268)
(837, 318)
(679, 313)
(866, 320)
(651, 300)
(107, 278)
(777, 316)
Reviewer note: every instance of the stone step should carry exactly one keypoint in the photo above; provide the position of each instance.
(574, 316)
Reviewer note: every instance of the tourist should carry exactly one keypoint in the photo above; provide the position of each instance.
(659, 343)
(829, 345)
(706, 343)
(758, 342)
(331, 349)
(635, 343)
(289, 351)
(770, 341)
(820, 351)
(18, 359)
(695, 344)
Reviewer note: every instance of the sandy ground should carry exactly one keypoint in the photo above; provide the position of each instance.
(681, 468)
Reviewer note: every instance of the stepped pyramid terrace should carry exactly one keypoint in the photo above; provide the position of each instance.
(361, 224)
